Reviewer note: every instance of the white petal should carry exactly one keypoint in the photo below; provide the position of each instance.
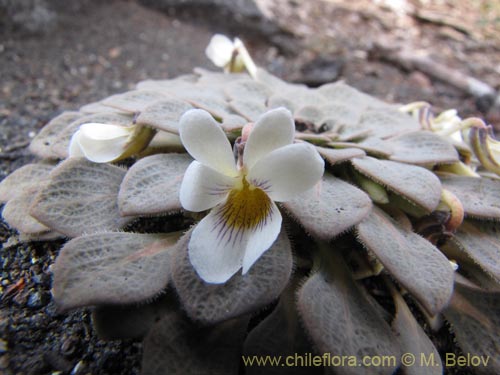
(206, 142)
(246, 58)
(287, 171)
(214, 259)
(75, 151)
(260, 240)
(274, 129)
(98, 131)
(203, 188)
(217, 258)
(102, 150)
(220, 50)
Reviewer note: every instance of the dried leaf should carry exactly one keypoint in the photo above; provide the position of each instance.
(480, 197)
(164, 114)
(482, 245)
(112, 268)
(20, 180)
(475, 319)
(176, 346)
(423, 147)
(412, 261)
(335, 156)
(41, 145)
(414, 340)
(81, 197)
(211, 303)
(416, 184)
(340, 320)
(330, 208)
(133, 101)
(151, 186)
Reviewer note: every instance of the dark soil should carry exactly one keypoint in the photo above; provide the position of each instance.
(103, 48)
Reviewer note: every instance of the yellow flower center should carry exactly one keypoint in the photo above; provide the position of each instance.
(246, 208)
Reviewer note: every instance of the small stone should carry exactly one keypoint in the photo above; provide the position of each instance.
(37, 300)
(3, 346)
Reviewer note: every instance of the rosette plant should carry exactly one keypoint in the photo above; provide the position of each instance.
(361, 230)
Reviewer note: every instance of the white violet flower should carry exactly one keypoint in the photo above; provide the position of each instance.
(230, 55)
(102, 143)
(244, 221)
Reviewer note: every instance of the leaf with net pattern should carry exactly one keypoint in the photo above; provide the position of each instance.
(16, 213)
(151, 186)
(385, 123)
(482, 244)
(414, 340)
(112, 268)
(339, 319)
(80, 197)
(21, 179)
(413, 261)
(164, 114)
(475, 319)
(335, 156)
(42, 144)
(211, 303)
(330, 208)
(423, 147)
(247, 90)
(480, 197)
(176, 346)
(416, 184)
(133, 101)
(279, 334)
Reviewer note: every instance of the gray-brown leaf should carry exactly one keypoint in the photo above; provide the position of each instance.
(330, 208)
(211, 303)
(413, 261)
(81, 197)
(151, 186)
(111, 268)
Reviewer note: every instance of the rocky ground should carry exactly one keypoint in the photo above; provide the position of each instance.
(56, 57)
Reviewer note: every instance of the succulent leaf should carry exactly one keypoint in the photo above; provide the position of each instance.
(164, 114)
(42, 144)
(475, 319)
(482, 244)
(330, 208)
(133, 101)
(480, 197)
(212, 303)
(414, 340)
(17, 213)
(176, 346)
(340, 320)
(112, 268)
(413, 261)
(424, 148)
(26, 177)
(151, 186)
(416, 184)
(80, 197)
